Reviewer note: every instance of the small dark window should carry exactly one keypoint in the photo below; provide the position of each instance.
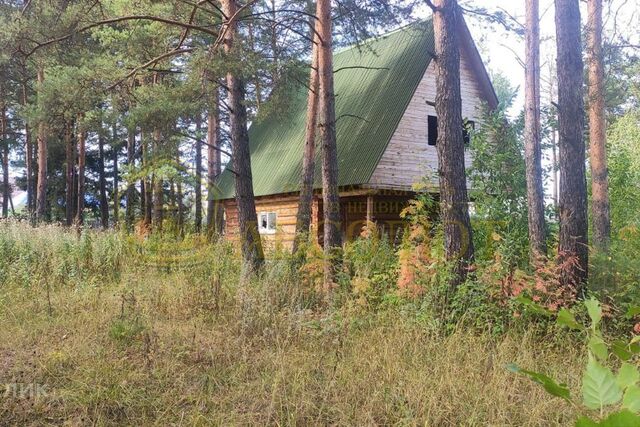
(432, 129)
(468, 127)
(467, 130)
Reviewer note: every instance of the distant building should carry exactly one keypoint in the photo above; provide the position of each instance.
(386, 135)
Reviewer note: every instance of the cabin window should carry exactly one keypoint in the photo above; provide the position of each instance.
(267, 222)
(467, 130)
(432, 130)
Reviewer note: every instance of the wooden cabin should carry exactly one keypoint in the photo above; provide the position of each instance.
(386, 135)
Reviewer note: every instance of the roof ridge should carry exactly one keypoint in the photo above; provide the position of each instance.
(382, 36)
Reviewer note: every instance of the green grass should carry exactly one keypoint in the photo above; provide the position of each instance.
(124, 332)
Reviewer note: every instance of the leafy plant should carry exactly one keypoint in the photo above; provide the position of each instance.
(617, 394)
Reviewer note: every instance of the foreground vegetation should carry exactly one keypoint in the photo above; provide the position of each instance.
(124, 330)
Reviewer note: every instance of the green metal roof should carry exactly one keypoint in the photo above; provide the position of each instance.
(370, 101)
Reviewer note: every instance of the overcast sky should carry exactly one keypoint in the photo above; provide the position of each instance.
(502, 50)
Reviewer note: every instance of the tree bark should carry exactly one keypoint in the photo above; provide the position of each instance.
(180, 203)
(69, 172)
(572, 248)
(28, 155)
(81, 167)
(6, 187)
(303, 217)
(41, 197)
(102, 182)
(214, 167)
(146, 181)
(600, 209)
(116, 177)
(532, 148)
(158, 187)
(198, 166)
(454, 201)
(327, 131)
(131, 189)
(241, 161)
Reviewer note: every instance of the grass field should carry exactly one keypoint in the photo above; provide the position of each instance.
(119, 332)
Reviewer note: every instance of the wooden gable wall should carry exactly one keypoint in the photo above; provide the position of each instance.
(408, 157)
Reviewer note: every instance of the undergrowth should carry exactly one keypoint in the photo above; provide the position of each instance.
(126, 330)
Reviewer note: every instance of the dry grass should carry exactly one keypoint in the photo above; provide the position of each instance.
(150, 348)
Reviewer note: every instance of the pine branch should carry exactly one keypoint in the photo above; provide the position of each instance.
(149, 63)
(355, 67)
(122, 19)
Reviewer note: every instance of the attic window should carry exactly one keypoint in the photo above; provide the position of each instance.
(267, 222)
(468, 126)
(432, 130)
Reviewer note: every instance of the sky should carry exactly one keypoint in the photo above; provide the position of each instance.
(503, 51)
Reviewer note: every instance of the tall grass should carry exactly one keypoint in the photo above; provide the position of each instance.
(163, 331)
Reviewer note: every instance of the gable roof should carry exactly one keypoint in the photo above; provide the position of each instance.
(374, 83)
(371, 98)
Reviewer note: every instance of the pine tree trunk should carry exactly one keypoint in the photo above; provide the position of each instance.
(131, 189)
(180, 203)
(241, 162)
(146, 181)
(454, 201)
(172, 201)
(41, 197)
(327, 129)
(81, 167)
(198, 166)
(6, 187)
(532, 148)
(303, 217)
(572, 247)
(554, 162)
(102, 183)
(28, 155)
(69, 172)
(116, 177)
(214, 167)
(600, 209)
(158, 187)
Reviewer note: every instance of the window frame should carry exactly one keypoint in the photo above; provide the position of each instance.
(267, 229)
(468, 128)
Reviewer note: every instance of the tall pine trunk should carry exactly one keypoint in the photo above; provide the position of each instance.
(41, 197)
(532, 148)
(214, 166)
(70, 153)
(454, 201)
(572, 247)
(600, 209)
(146, 181)
(115, 147)
(179, 200)
(241, 162)
(158, 187)
(131, 188)
(81, 167)
(102, 183)
(28, 155)
(198, 166)
(327, 130)
(303, 217)
(6, 187)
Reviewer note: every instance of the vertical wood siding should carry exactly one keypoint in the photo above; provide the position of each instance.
(408, 157)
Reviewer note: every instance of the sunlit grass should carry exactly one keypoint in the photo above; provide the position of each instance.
(139, 341)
